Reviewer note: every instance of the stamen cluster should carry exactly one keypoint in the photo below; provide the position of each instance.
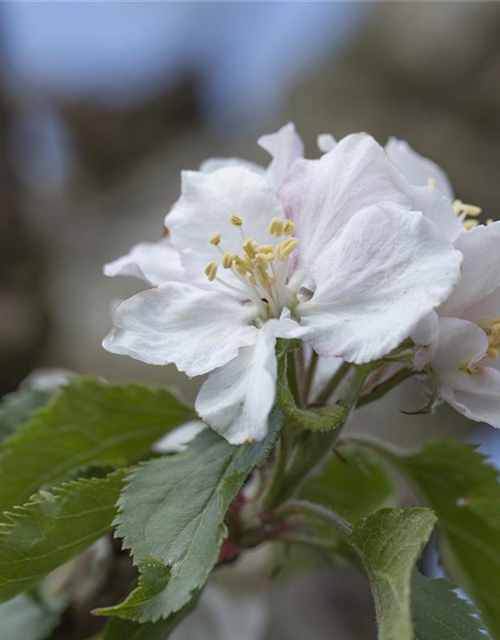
(492, 329)
(262, 269)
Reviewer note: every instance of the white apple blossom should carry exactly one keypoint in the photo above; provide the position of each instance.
(330, 251)
(461, 340)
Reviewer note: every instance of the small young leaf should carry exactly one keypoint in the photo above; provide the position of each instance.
(88, 421)
(389, 543)
(16, 408)
(353, 484)
(54, 527)
(120, 629)
(24, 619)
(439, 613)
(464, 492)
(171, 517)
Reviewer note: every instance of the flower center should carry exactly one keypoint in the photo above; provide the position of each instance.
(261, 269)
(492, 329)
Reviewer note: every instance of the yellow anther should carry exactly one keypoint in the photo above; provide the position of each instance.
(241, 266)
(471, 209)
(227, 260)
(286, 248)
(262, 260)
(236, 220)
(431, 182)
(469, 224)
(249, 246)
(276, 227)
(492, 353)
(289, 227)
(215, 239)
(211, 271)
(489, 221)
(266, 248)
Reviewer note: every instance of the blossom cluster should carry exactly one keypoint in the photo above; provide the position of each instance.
(353, 254)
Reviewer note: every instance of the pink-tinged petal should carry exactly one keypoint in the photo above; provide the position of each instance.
(480, 269)
(474, 395)
(433, 204)
(285, 146)
(154, 262)
(461, 345)
(236, 399)
(214, 164)
(180, 323)
(385, 273)
(416, 168)
(205, 207)
(321, 196)
(325, 142)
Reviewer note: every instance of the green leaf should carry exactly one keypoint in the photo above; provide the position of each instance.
(464, 492)
(54, 527)
(389, 543)
(439, 613)
(171, 517)
(88, 421)
(24, 619)
(16, 408)
(353, 484)
(119, 629)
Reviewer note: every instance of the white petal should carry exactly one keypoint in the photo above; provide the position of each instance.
(207, 202)
(182, 324)
(236, 399)
(177, 440)
(486, 308)
(321, 196)
(480, 269)
(154, 262)
(285, 146)
(385, 273)
(461, 344)
(325, 142)
(214, 164)
(416, 168)
(476, 395)
(433, 204)
(425, 336)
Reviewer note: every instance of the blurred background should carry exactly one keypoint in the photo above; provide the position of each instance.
(102, 105)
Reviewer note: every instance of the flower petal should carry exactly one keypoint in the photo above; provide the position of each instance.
(433, 204)
(385, 273)
(285, 146)
(154, 262)
(425, 336)
(214, 164)
(480, 269)
(416, 168)
(182, 324)
(236, 399)
(321, 196)
(325, 142)
(461, 345)
(207, 202)
(476, 395)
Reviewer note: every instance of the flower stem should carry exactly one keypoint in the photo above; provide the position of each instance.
(332, 383)
(384, 387)
(317, 511)
(308, 541)
(311, 369)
